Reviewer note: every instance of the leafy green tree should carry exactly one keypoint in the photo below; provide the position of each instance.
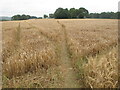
(45, 16)
(82, 13)
(58, 13)
(28, 16)
(73, 13)
(104, 15)
(61, 13)
(39, 17)
(118, 15)
(33, 17)
(94, 15)
(66, 12)
(23, 17)
(51, 15)
(16, 17)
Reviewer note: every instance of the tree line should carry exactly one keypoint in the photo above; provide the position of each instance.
(61, 13)
(71, 13)
(23, 17)
(105, 15)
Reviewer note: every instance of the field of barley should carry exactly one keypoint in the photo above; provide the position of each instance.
(60, 53)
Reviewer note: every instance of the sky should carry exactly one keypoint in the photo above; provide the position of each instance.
(40, 7)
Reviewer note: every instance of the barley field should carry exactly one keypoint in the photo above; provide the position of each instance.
(60, 53)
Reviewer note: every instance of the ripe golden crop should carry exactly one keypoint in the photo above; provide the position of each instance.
(31, 46)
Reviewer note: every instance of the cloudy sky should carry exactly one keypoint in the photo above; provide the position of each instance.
(41, 7)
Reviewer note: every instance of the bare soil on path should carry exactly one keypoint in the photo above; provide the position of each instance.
(70, 79)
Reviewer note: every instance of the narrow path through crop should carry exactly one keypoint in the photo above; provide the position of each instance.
(70, 79)
(18, 36)
(17, 41)
(69, 75)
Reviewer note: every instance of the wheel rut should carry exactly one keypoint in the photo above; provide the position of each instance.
(70, 79)
(17, 41)
(41, 32)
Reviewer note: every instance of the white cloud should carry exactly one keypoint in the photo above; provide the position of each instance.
(40, 7)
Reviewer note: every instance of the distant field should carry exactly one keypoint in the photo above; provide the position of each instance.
(49, 53)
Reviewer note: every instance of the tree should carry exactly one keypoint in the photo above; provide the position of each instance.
(45, 16)
(106, 15)
(94, 15)
(28, 16)
(16, 17)
(73, 13)
(61, 13)
(51, 15)
(58, 13)
(22, 17)
(118, 15)
(39, 17)
(66, 12)
(33, 17)
(82, 13)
